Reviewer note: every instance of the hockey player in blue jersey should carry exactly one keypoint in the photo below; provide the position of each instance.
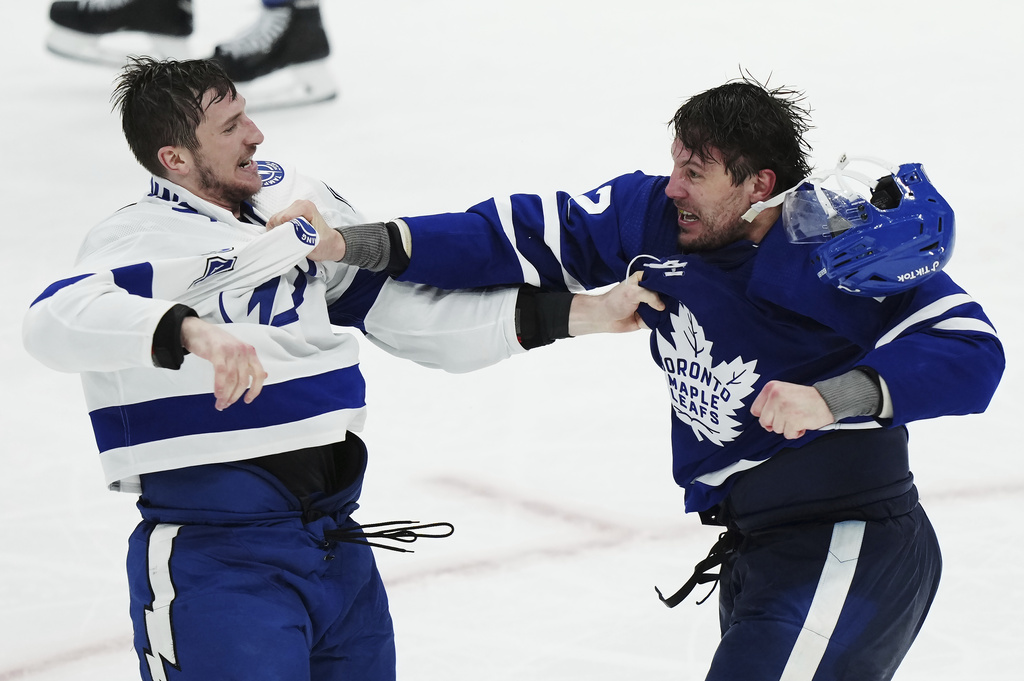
(221, 394)
(803, 330)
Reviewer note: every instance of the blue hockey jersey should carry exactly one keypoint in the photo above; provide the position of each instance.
(735, 318)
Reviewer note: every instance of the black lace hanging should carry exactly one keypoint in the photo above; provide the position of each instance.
(727, 542)
(404, 531)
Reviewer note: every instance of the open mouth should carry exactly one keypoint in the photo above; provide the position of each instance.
(686, 216)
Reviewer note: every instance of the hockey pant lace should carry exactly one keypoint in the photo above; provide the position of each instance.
(726, 544)
(404, 531)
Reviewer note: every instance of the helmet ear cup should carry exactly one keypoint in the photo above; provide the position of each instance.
(886, 194)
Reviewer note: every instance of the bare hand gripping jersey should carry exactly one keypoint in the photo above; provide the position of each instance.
(173, 247)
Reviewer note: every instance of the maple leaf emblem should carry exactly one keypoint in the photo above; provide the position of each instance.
(706, 396)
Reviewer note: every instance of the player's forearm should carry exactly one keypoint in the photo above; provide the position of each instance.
(614, 311)
(546, 316)
(586, 316)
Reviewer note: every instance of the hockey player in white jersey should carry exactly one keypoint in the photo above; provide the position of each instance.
(220, 393)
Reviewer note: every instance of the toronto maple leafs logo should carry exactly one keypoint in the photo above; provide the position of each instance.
(706, 396)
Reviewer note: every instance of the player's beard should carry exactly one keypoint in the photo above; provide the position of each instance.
(721, 225)
(227, 193)
(716, 234)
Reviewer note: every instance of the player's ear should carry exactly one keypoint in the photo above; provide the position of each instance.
(177, 160)
(764, 185)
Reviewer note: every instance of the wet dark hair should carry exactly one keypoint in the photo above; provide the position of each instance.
(753, 127)
(161, 104)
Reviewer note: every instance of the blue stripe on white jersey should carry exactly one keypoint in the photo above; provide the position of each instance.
(360, 293)
(135, 279)
(128, 425)
(57, 286)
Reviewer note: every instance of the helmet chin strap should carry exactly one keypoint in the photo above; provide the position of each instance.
(759, 207)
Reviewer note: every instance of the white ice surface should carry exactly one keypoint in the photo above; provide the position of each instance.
(554, 466)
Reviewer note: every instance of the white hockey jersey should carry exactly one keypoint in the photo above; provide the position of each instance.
(174, 247)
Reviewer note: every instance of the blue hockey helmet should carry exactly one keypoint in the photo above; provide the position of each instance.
(884, 241)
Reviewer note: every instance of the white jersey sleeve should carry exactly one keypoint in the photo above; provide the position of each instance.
(104, 321)
(457, 331)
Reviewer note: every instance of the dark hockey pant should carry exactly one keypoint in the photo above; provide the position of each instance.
(834, 565)
(822, 602)
(230, 579)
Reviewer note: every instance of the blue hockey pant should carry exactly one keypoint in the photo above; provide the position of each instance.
(824, 602)
(252, 591)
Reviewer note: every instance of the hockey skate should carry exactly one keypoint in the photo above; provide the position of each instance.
(282, 60)
(107, 31)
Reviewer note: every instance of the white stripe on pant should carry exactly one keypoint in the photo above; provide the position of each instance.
(829, 598)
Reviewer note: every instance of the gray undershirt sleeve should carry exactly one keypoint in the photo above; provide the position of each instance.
(855, 393)
(367, 246)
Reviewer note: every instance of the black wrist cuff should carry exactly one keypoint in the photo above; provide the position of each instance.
(399, 259)
(542, 317)
(168, 352)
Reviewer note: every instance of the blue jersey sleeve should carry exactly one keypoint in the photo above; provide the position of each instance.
(940, 356)
(937, 351)
(557, 242)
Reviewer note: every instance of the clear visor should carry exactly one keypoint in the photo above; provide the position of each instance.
(814, 214)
